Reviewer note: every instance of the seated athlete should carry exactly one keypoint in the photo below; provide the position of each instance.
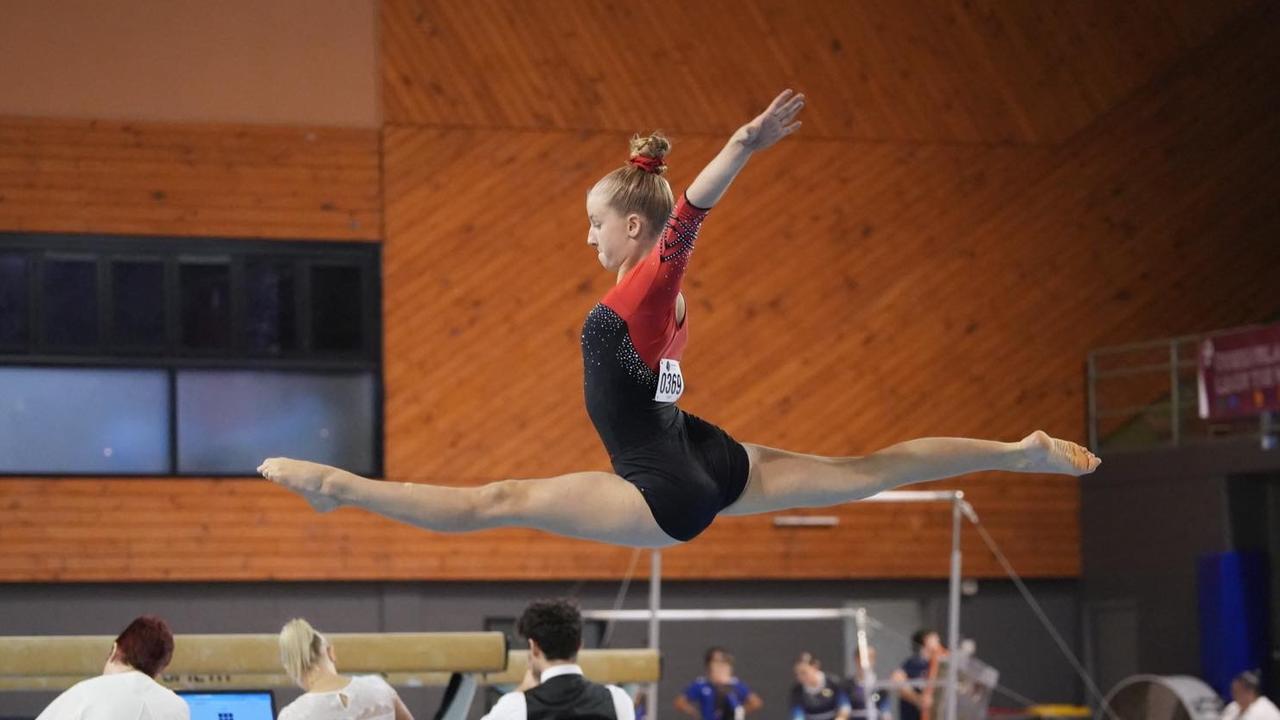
(673, 472)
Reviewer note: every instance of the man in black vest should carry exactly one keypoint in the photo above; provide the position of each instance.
(553, 687)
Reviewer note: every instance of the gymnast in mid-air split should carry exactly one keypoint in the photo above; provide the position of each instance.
(673, 472)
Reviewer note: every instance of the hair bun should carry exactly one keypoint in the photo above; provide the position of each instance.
(649, 153)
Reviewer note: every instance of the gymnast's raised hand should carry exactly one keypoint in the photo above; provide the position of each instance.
(776, 122)
(673, 473)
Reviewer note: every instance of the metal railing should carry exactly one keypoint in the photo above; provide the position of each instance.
(1143, 395)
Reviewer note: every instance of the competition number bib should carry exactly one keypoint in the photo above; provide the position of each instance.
(670, 381)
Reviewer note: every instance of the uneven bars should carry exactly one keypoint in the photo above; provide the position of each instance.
(654, 615)
(909, 496)
(724, 614)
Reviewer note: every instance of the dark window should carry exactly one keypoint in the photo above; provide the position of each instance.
(271, 326)
(166, 356)
(137, 303)
(15, 300)
(70, 303)
(338, 313)
(205, 286)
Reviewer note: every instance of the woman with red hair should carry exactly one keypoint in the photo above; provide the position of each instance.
(126, 689)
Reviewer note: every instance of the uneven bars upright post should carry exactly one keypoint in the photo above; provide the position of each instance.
(869, 705)
(655, 604)
(849, 625)
(953, 608)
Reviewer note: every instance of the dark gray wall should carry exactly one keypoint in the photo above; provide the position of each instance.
(1146, 517)
(1006, 632)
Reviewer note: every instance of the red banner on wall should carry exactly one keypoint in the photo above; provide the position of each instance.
(1240, 374)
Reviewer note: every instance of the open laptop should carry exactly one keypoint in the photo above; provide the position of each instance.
(230, 704)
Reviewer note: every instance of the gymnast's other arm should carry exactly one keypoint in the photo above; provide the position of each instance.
(765, 130)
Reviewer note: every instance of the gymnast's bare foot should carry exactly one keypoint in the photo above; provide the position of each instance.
(1051, 455)
(305, 478)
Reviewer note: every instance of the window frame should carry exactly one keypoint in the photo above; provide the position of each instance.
(171, 355)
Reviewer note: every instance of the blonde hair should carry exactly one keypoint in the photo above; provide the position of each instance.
(301, 647)
(633, 189)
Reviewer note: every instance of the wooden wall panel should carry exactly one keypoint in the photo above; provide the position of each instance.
(836, 287)
(195, 529)
(929, 70)
(845, 295)
(284, 62)
(933, 255)
(177, 179)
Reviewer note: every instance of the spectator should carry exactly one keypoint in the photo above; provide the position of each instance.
(1247, 700)
(915, 700)
(310, 661)
(817, 696)
(553, 687)
(126, 689)
(718, 695)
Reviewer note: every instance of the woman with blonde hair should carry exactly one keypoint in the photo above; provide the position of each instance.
(310, 661)
(673, 473)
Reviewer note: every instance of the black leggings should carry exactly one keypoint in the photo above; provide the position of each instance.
(688, 476)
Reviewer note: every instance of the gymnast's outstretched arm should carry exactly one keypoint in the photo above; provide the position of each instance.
(766, 129)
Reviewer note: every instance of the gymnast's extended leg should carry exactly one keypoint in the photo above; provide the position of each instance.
(781, 480)
(596, 506)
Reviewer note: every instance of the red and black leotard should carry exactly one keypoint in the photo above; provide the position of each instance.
(687, 469)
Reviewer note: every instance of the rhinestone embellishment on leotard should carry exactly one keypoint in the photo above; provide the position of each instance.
(602, 325)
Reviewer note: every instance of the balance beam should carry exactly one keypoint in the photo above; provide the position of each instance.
(606, 666)
(259, 654)
(603, 666)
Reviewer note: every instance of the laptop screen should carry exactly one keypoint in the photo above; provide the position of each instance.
(230, 705)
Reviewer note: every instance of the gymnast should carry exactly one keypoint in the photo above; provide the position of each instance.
(673, 472)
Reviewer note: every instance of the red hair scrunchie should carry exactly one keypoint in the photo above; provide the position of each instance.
(648, 163)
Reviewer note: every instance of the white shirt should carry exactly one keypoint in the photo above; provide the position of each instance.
(366, 697)
(1260, 709)
(119, 696)
(512, 705)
